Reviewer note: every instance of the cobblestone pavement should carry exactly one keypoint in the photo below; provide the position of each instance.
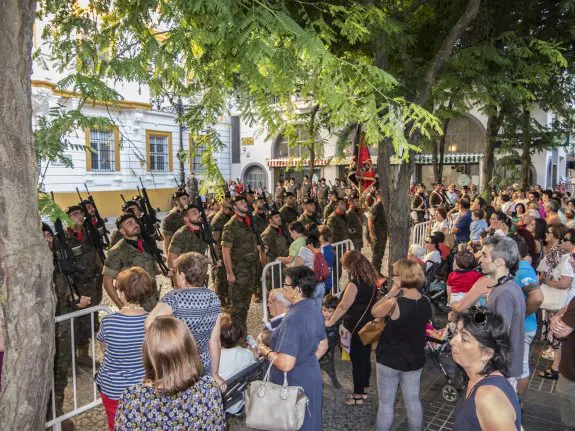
(541, 403)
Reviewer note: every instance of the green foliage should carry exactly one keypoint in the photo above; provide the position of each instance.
(48, 208)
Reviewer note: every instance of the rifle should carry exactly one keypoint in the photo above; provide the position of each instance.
(91, 230)
(207, 231)
(65, 259)
(123, 198)
(180, 187)
(149, 218)
(152, 249)
(250, 214)
(100, 222)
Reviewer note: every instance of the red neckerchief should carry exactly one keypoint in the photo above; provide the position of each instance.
(280, 232)
(246, 220)
(94, 221)
(196, 231)
(79, 235)
(140, 245)
(338, 212)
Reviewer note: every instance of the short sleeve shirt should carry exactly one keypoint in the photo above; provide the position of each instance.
(526, 277)
(463, 224)
(295, 246)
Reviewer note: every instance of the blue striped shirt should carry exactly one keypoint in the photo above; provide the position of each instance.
(122, 365)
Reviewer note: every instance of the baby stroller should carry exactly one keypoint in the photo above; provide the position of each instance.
(435, 287)
(440, 361)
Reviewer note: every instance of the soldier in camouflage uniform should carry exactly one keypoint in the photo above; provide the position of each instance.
(329, 208)
(260, 224)
(339, 188)
(192, 186)
(88, 278)
(290, 186)
(321, 193)
(219, 273)
(279, 194)
(308, 216)
(276, 245)
(304, 191)
(129, 252)
(288, 211)
(355, 222)
(377, 227)
(240, 255)
(65, 303)
(173, 220)
(189, 237)
(337, 222)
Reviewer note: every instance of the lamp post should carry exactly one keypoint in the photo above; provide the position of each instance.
(177, 107)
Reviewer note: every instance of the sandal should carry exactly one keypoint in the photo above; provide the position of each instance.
(352, 400)
(549, 373)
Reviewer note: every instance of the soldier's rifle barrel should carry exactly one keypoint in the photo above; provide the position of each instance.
(208, 235)
(99, 220)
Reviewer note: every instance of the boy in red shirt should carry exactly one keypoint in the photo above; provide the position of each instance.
(463, 277)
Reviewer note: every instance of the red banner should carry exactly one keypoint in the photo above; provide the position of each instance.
(364, 170)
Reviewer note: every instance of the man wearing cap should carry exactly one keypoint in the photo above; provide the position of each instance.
(173, 220)
(276, 243)
(322, 190)
(419, 204)
(436, 198)
(127, 253)
(308, 215)
(219, 273)
(260, 216)
(288, 211)
(355, 222)
(291, 186)
(65, 303)
(88, 277)
(305, 189)
(189, 237)
(250, 196)
(377, 229)
(130, 206)
(337, 222)
(279, 194)
(240, 256)
(192, 186)
(339, 188)
(328, 209)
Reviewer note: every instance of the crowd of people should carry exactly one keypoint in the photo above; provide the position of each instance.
(506, 266)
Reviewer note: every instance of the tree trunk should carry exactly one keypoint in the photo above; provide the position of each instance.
(312, 144)
(493, 126)
(526, 149)
(26, 296)
(439, 153)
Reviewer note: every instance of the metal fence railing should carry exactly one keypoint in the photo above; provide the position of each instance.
(273, 272)
(96, 399)
(340, 248)
(419, 232)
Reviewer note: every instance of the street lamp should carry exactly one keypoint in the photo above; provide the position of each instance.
(177, 107)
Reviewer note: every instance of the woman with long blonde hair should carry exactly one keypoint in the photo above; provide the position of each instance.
(175, 394)
(355, 307)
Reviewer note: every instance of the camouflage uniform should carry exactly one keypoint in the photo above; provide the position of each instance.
(305, 219)
(115, 236)
(337, 224)
(192, 188)
(305, 192)
(279, 196)
(322, 195)
(260, 225)
(288, 214)
(377, 213)
(88, 278)
(355, 224)
(328, 209)
(63, 353)
(219, 274)
(241, 241)
(123, 256)
(172, 222)
(340, 190)
(186, 241)
(277, 245)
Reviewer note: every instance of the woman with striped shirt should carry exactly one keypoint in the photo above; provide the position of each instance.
(122, 335)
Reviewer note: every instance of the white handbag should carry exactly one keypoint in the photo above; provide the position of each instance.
(270, 406)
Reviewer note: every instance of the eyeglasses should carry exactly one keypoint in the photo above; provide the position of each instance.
(479, 315)
(288, 285)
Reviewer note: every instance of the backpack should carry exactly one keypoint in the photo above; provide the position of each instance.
(320, 266)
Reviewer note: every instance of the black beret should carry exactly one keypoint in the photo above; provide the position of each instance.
(73, 208)
(123, 218)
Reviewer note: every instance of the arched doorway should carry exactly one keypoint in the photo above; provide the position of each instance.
(255, 176)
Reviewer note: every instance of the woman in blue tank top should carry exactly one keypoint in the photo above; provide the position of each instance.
(481, 347)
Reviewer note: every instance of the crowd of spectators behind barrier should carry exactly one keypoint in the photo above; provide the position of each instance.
(507, 268)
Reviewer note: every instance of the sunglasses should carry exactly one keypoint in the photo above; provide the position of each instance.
(479, 315)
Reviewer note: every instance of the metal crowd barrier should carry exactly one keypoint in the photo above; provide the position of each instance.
(56, 422)
(274, 271)
(336, 275)
(268, 272)
(419, 232)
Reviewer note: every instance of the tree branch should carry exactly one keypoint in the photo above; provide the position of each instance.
(445, 51)
(411, 9)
